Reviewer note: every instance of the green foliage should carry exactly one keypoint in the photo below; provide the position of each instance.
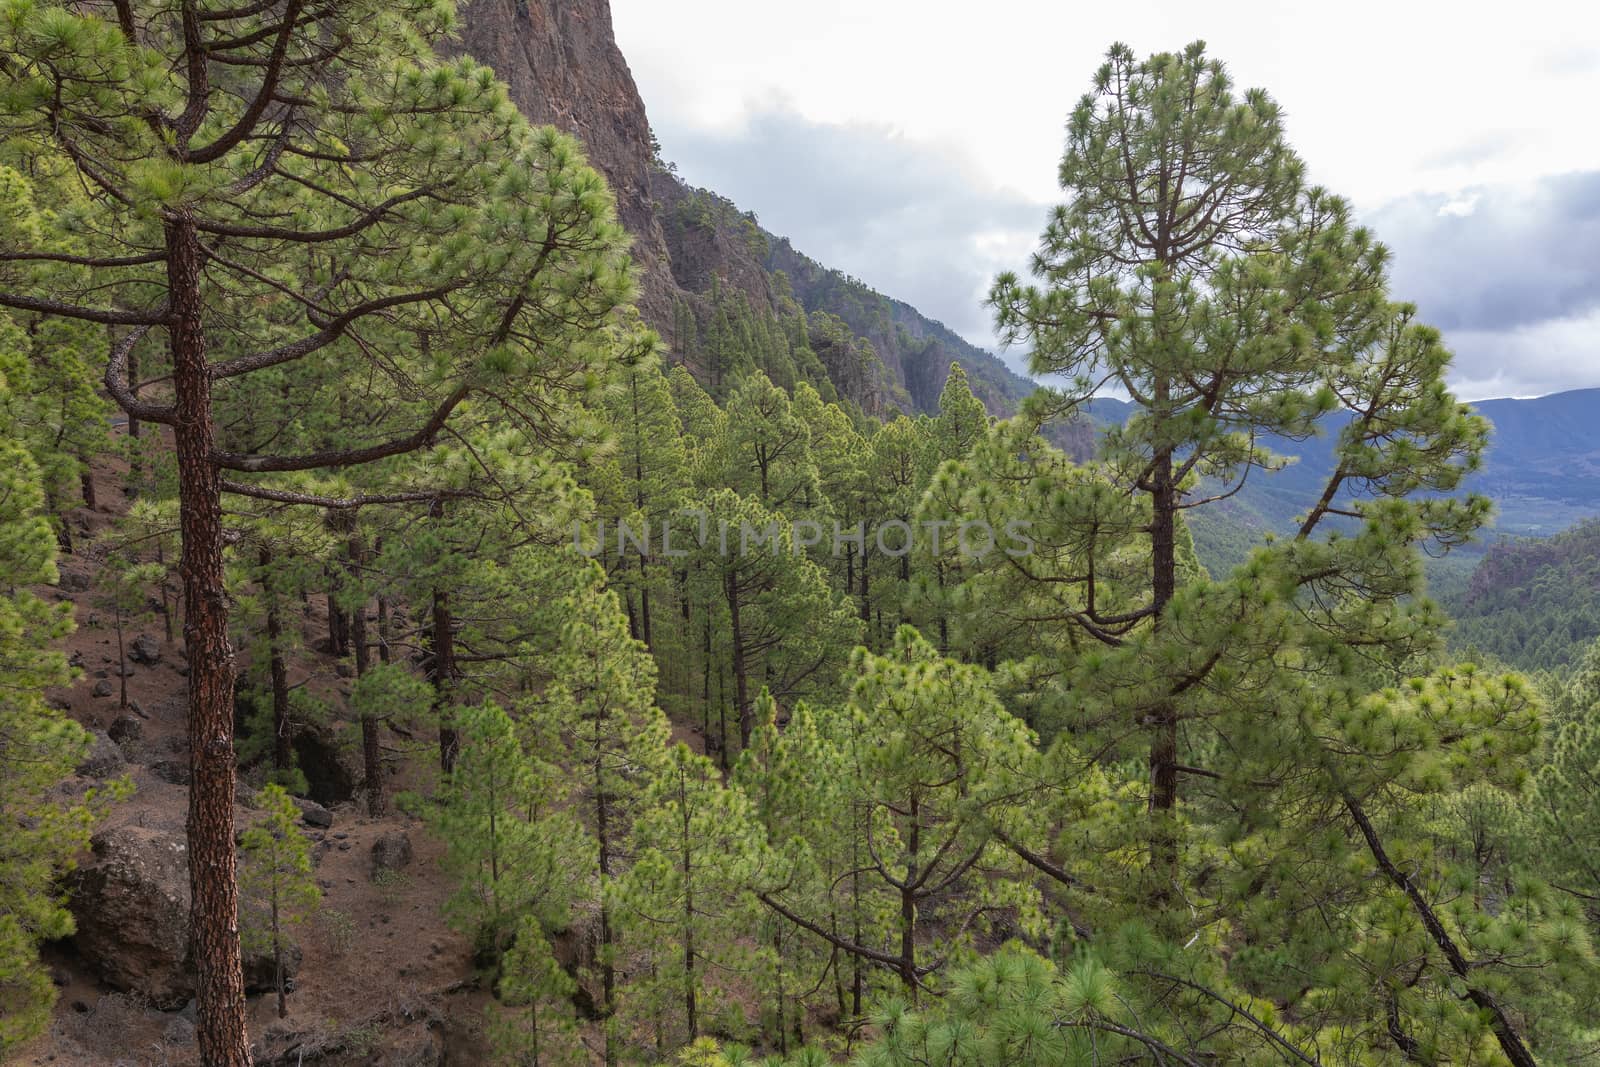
(697, 852)
(512, 847)
(533, 1023)
(38, 747)
(1530, 603)
(1015, 1007)
(277, 887)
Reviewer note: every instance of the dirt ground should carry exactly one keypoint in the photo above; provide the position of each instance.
(383, 979)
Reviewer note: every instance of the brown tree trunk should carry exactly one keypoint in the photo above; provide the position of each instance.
(644, 607)
(133, 384)
(277, 959)
(741, 684)
(371, 753)
(443, 670)
(608, 970)
(908, 910)
(1164, 743)
(213, 882)
(338, 635)
(691, 1002)
(383, 629)
(86, 482)
(278, 671)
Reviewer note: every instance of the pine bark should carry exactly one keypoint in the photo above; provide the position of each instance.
(442, 671)
(371, 751)
(277, 669)
(213, 882)
(741, 681)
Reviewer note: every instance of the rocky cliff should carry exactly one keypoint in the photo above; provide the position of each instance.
(696, 251)
(561, 61)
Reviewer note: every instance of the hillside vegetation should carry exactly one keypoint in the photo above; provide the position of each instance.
(414, 656)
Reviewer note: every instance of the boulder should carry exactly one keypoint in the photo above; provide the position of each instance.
(102, 688)
(391, 852)
(414, 1047)
(131, 906)
(103, 759)
(146, 650)
(313, 814)
(74, 582)
(175, 771)
(179, 1031)
(125, 728)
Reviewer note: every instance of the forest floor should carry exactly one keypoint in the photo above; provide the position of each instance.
(383, 979)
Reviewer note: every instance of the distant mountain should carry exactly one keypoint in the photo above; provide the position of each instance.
(1543, 468)
(1542, 471)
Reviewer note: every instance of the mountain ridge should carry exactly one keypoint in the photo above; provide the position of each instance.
(562, 64)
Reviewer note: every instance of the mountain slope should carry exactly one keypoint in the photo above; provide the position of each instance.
(1532, 602)
(700, 256)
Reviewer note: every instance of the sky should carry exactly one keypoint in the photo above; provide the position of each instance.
(914, 143)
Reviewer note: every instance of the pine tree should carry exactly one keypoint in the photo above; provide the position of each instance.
(51, 405)
(765, 452)
(597, 715)
(896, 473)
(647, 475)
(962, 422)
(924, 734)
(784, 627)
(1195, 270)
(276, 883)
(533, 1025)
(465, 246)
(800, 779)
(697, 850)
(512, 847)
(38, 745)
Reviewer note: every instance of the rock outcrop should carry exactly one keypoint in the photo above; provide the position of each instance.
(561, 61)
(131, 906)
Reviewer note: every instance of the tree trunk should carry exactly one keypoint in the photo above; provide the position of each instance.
(133, 384)
(122, 665)
(741, 683)
(86, 483)
(213, 882)
(1164, 743)
(371, 753)
(338, 635)
(608, 972)
(908, 909)
(443, 670)
(383, 629)
(644, 607)
(857, 973)
(277, 957)
(691, 1003)
(278, 670)
(64, 530)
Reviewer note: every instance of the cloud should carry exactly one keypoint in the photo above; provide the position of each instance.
(914, 220)
(1511, 273)
(1512, 276)
(1498, 257)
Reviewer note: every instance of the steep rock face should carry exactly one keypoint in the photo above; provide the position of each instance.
(561, 61)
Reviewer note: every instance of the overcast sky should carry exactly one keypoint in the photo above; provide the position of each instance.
(913, 143)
